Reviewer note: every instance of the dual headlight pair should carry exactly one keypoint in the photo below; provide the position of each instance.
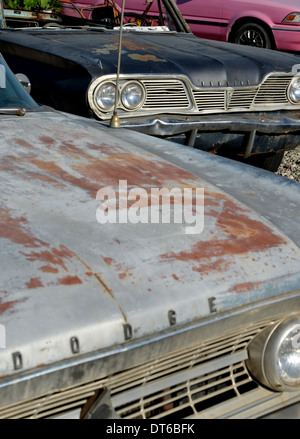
(131, 95)
(274, 356)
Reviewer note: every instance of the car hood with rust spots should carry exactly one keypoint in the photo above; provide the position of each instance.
(64, 274)
(204, 62)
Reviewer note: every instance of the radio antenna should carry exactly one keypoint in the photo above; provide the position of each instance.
(115, 121)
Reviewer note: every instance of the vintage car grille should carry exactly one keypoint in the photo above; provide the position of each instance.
(179, 96)
(165, 94)
(208, 380)
(271, 92)
(173, 94)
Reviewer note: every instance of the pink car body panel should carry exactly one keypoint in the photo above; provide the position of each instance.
(214, 20)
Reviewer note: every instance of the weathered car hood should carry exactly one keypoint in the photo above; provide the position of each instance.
(205, 62)
(63, 274)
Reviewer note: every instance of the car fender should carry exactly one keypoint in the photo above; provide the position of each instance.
(245, 15)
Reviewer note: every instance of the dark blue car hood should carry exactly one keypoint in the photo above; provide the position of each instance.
(205, 62)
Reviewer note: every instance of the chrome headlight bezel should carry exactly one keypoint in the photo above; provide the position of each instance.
(124, 96)
(266, 363)
(293, 92)
(99, 101)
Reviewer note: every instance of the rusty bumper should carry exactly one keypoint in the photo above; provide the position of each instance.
(244, 133)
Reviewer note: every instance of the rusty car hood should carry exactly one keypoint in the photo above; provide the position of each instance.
(64, 274)
(205, 62)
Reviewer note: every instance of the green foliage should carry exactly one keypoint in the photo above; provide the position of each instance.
(34, 5)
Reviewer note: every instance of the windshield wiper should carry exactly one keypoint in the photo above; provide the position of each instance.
(16, 111)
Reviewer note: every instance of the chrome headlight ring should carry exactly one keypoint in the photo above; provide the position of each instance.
(293, 92)
(104, 96)
(132, 95)
(274, 356)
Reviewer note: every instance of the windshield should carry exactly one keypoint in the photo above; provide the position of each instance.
(12, 94)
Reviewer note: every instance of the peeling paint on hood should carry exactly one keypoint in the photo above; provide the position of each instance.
(64, 274)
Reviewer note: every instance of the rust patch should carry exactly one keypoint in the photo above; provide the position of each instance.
(8, 306)
(61, 174)
(145, 58)
(220, 265)
(34, 282)
(47, 141)
(125, 274)
(70, 280)
(244, 287)
(53, 256)
(48, 269)
(14, 229)
(131, 45)
(22, 142)
(107, 48)
(107, 260)
(30, 175)
(237, 234)
(137, 171)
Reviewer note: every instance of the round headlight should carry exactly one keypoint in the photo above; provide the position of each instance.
(105, 96)
(294, 90)
(274, 356)
(132, 95)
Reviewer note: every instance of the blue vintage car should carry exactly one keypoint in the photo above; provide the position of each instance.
(139, 278)
(228, 99)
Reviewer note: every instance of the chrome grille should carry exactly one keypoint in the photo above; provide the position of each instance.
(186, 383)
(165, 94)
(210, 100)
(273, 90)
(242, 98)
(181, 97)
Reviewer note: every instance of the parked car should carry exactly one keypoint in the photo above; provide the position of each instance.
(271, 24)
(140, 319)
(236, 101)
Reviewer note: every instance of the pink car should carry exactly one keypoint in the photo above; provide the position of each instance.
(271, 24)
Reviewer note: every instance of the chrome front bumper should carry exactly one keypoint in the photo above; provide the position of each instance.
(246, 133)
